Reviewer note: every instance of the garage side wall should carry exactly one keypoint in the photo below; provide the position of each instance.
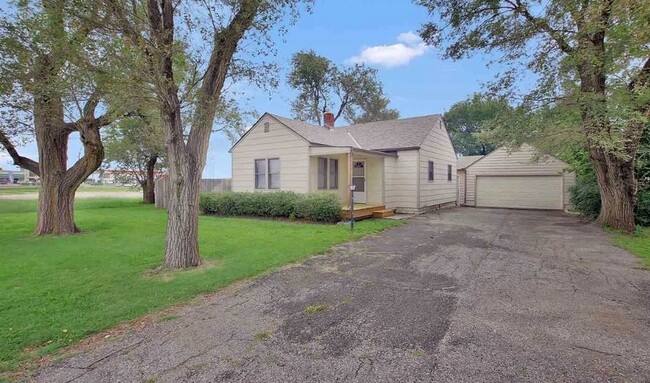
(516, 163)
(460, 177)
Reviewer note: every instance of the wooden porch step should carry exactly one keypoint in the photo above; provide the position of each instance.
(383, 213)
(362, 211)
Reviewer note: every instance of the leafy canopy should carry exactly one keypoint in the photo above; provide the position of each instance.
(465, 120)
(352, 92)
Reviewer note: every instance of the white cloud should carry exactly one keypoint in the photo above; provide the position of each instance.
(409, 46)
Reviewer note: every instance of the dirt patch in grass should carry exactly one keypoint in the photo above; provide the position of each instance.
(166, 275)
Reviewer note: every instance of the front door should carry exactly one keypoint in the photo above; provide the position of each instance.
(359, 180)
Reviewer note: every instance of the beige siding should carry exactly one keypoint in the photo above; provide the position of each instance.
(280, 142)
(460, 177)
(437, 147)
(517, 163)
(342, 180)
(401, 177)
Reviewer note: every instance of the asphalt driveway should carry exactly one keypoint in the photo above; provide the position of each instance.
(462, 295)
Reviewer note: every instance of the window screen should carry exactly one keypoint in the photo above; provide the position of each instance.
(430, 170)
(322, 173)
(334, 173)
(260, 174)
(448, 172)
(274, 173)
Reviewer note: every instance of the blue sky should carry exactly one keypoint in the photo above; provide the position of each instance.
(375, 32)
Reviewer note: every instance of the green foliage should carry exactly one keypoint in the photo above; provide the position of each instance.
(321, 207)
(93, 281)
(642, 214)
(465, 120)
(319, 82)
(585, 197)
(132, 142)
(275, 204)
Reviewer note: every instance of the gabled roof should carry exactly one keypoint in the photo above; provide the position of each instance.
(381, 135)
(466, 161)
(317, 134)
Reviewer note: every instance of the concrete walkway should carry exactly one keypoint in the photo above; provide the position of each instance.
(461, 295)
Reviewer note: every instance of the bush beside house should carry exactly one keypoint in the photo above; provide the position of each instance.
(319, 207)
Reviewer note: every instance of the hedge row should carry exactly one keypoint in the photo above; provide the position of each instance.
(320, 207)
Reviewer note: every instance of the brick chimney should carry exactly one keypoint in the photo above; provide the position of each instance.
(328, 120)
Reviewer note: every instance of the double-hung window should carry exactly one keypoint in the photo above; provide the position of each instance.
(260, 174)
(274, 173)
(328, 173)
(267, 173)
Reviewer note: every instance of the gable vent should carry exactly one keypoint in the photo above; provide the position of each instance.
(266, 127)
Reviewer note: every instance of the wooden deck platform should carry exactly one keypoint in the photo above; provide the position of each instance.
(362, 210)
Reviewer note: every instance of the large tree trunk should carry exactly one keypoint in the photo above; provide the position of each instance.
(56, 198)
(58, 183)
(149, 184)
(617, 186)
(55, 207)
(182, 244)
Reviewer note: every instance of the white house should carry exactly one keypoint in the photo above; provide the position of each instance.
(515, 179)
(407, 164)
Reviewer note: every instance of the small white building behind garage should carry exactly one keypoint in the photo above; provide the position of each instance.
(514, 179)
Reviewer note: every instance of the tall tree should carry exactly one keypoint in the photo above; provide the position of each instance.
(136, 145)
(54, 71)
(592, 55)
(168, 33)
(352, 92)
(465, 119)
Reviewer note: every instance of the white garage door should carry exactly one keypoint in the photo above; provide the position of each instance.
(519, 192)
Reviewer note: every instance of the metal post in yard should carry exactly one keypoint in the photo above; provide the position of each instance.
(352, 187)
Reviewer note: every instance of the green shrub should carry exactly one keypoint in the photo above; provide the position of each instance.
(643, 208)
(585, 198)
(320, 207)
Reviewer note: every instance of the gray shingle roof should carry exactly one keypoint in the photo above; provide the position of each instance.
(466, 161)
(380, 135)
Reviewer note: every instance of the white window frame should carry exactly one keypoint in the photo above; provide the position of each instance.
(328, 184)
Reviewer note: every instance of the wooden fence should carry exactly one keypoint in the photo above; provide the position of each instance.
(163, 189)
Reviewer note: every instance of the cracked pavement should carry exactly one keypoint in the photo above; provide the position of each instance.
(462, 295)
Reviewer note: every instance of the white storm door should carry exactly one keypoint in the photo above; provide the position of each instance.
(359, 180)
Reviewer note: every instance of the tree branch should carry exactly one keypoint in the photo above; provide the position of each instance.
(23, 162)
(542, 25)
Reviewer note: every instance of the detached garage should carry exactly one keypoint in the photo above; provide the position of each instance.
(515, 180)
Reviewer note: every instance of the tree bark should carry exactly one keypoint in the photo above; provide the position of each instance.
(182, 243)
(617, 186)
(149, 184)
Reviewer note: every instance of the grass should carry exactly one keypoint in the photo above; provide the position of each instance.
(55, 291)
(82, 188)
(313, 309)
(638, 244)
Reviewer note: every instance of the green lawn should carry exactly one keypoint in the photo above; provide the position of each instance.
(82, 188)
(57, 290)
(638, 244)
